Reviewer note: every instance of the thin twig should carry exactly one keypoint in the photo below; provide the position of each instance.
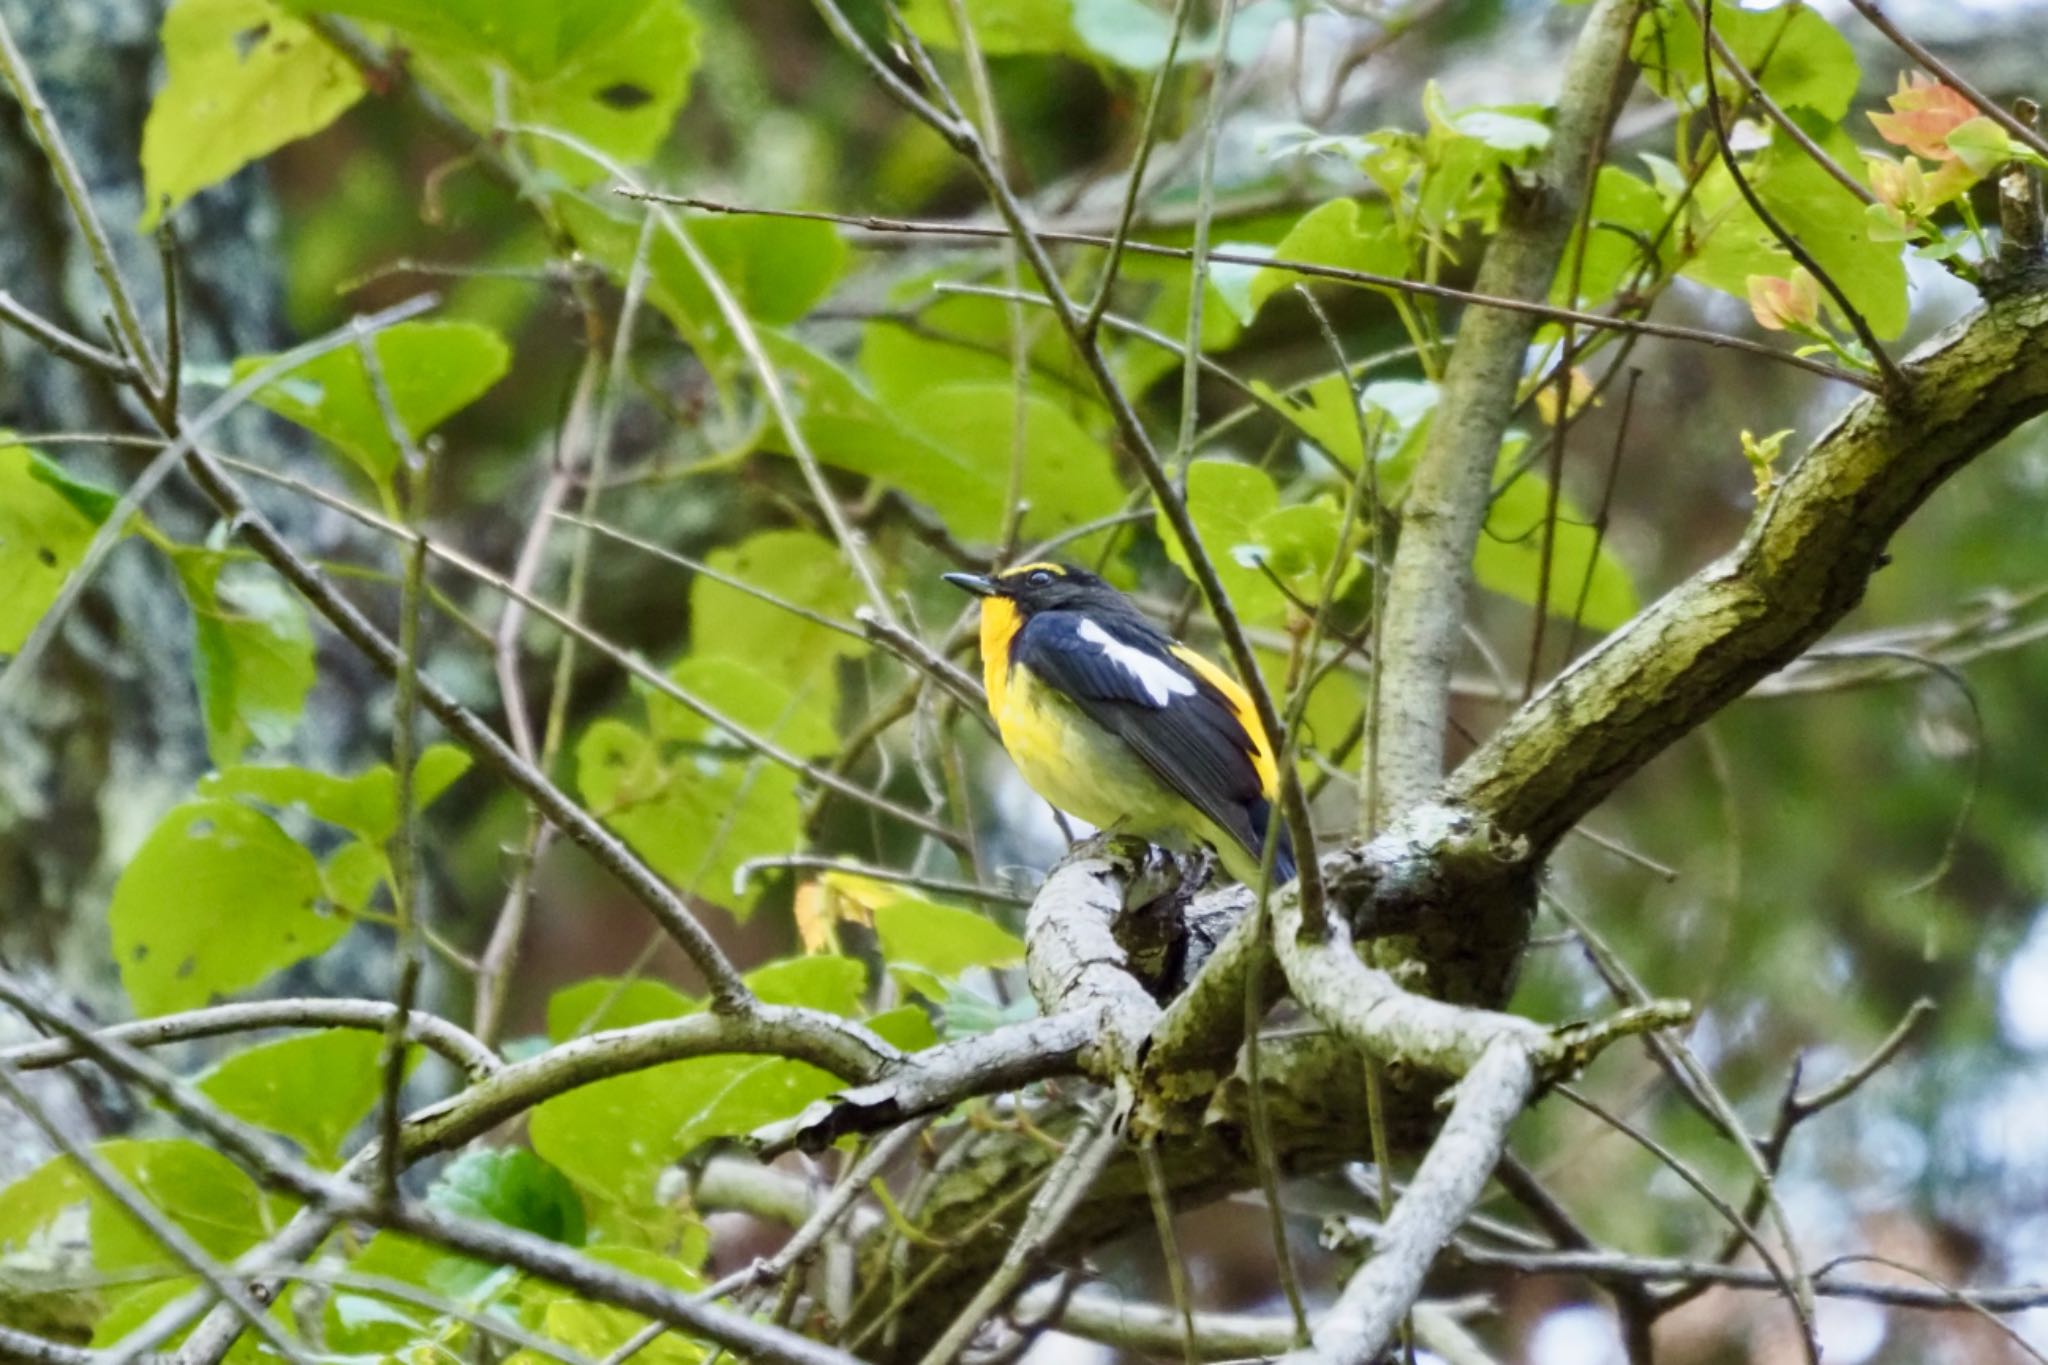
(1309, 269)
(1946, 74)
(1894, 381)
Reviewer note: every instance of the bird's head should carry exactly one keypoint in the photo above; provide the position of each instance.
(1043, 586)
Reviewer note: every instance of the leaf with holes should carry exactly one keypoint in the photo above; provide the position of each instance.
(43, 535)
(243, 78)
(217, 898)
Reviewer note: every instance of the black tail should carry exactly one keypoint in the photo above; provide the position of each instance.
(1264, 818)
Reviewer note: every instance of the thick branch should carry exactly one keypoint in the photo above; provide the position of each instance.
(1447, 497)
(1800, 567)
(1446, 1186)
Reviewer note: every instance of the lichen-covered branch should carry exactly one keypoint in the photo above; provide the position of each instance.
(1446, 501)
(1802, 564)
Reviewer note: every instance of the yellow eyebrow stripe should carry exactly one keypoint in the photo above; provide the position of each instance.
(1246, 713)
(1045, 564)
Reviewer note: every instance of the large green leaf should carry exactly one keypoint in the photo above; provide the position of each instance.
(777, 269)
(1002, 28)
(965, 338)
(217, 898)
(1811, 205)
(694, 815)
(431, 369)
(366, 804)
(1626, 215)
(606, 1003)
(612, 73)
(314, 1088)
(615, 1137)
(242, 79)
(949, 446)
(514, 1187)
(252, 651)
(598, 1332)
(1509, 556)
(43, 535)
(798, 567)
(1804, 62)
(196, 1188)
(1342, 233)
(1236, 510)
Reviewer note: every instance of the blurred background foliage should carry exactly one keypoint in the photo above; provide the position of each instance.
(1804, 868)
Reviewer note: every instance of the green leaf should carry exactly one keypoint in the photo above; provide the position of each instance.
(216, 899)
(1804, 63)
(514, 1187)
(242, 79)
(1068, 478)
(431, 369)
(1237, 512)
(612, 73)
(1811, 205)
(1002, 28)
(1135, 35)
(616, 1137)
(1626, 215)
(93, 502)
(352, 874)
(1981, 144)
(252, 651)
(366, 805)
(313, 1089)
(943, 938)
(949, 446)
(595, 1331)
(831, 984)
(799, 567)
(1509, 556)
(1341, 233)
(776, 269)
(961, 338)
(195, 1187)
(607, 1003)
(694, 816)
(43, 535)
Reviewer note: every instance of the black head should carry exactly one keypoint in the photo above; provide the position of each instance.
(1045, 586)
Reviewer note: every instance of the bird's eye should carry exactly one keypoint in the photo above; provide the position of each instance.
(1038, 578)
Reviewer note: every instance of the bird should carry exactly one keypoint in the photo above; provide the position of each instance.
(1115, 722)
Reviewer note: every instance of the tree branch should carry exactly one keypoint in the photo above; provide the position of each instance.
(1802, 564)
(1447, 495)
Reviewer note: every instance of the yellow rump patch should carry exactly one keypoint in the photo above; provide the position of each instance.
(1240, 706)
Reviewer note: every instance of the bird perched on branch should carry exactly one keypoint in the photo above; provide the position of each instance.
(1117, 723)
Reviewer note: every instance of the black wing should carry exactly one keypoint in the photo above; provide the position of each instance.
(1119, 672)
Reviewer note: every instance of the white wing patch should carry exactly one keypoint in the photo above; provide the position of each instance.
(1161, 681)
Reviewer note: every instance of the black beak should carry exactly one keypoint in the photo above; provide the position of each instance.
(974, 583)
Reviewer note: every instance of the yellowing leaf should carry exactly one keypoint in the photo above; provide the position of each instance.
(244, 78)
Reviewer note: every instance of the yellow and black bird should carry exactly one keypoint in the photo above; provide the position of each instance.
(1119, 724)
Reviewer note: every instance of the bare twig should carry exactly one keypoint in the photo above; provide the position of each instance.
(1947, 75)
(372, 1016)
(1307, 269)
